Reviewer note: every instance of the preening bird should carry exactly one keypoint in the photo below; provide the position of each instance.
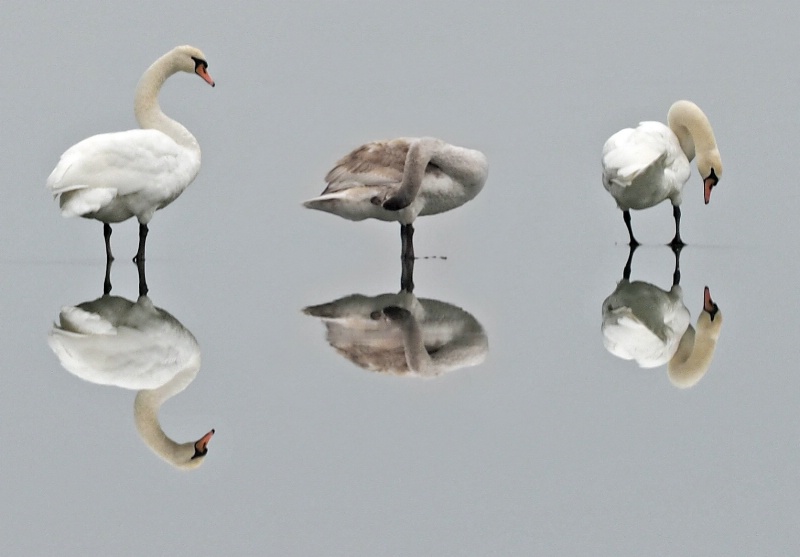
(401, 179)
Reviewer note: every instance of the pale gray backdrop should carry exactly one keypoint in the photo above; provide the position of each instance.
(552, 446)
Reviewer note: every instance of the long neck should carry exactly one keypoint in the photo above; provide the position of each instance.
(145, 412)
(417, 159)
(695, 352)
(692, 127)
(148, 111)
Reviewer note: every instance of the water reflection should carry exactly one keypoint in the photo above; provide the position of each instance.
(652, 326)
(402, 334)
(133, 345)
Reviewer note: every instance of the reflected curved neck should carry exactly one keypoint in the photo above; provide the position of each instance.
(145, 412)
(695, 352)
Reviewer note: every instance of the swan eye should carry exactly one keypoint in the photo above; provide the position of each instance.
(198, 62)
(199, 452)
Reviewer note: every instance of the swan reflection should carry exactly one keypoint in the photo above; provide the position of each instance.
(133, 345)
(651, 326)
(402, 334)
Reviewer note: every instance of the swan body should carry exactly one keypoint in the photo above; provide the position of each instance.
(646, 165)
(401, 179)
(133, 345)
(402, 334)
(112, 177)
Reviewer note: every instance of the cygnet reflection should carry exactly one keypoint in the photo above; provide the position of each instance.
(133, 345)
(651, 326)
(402, 334)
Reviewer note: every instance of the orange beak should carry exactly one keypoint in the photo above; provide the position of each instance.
(202, 72)
(708, 184)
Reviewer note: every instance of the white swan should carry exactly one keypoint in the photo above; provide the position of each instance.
(112, 177)
(643, 166)
(402, 334)
(401, 179)
(113, 341)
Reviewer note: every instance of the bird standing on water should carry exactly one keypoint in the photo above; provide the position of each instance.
(645, 165)
(112, 177)
(401, 179)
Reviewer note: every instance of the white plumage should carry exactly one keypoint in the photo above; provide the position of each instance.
(646, 165)
(112, 177)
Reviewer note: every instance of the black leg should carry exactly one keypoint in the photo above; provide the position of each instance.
(676, 241)
(626, 216)
(143, 290)
(676, 274)
(142, 239)
(107, 236)
(407, 238)
(626, 272)
(107, 281)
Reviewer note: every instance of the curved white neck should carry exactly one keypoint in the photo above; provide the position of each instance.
(695, 352)
(691, 126)
(145, 412)
(148, 112)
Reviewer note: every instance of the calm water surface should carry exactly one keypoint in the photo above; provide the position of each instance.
(543, 442)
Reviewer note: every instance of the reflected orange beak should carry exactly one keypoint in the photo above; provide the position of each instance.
(202, 72)
(201, 444)
(708, 304)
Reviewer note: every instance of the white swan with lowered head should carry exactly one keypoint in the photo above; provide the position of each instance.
(645, 165)
(112, 177)
(401, 179)
(113, 341)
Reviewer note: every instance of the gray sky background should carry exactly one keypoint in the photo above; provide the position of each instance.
(552, 446)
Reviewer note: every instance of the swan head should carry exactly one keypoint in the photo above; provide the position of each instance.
(191, 60)
(190, 455)
(709, 165)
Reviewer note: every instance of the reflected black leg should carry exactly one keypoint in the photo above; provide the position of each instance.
(107, 236)
(143, 290)
(676, 241)
(676, 274)
(626, 216)
(407, 239)
(626, 272)
(107, 281)
(407, 276)
(143, 230)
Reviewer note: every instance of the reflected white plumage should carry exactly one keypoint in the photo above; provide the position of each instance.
(113, 341)
(112, 177)
(645, 165)
(401, 179)
(644, 323)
